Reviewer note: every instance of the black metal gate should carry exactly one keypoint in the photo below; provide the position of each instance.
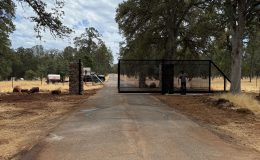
(163, 76)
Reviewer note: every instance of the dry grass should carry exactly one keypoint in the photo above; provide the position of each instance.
(242, 100)
(246, 85)
(6, 86)
(217, 84)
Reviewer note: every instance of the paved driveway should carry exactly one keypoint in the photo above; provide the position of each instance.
(112, 126)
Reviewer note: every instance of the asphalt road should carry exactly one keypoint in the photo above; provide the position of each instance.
(112, 126)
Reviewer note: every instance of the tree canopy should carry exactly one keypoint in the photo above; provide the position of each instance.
(44, 17)
(190, 29)
(37, 62)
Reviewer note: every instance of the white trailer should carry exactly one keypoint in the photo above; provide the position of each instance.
(53, 78)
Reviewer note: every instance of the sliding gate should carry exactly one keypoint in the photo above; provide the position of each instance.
(162, 76)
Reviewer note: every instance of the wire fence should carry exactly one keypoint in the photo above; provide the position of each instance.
(164, 76)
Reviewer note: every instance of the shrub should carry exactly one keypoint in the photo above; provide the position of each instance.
(30, 75)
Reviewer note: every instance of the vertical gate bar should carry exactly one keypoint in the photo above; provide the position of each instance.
(160, 75)
(209, 75)
(80, 74)
(163, 76)
(173, 77)
(118, 75)
(225, 84)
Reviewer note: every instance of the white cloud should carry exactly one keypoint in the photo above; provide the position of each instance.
(79, 14)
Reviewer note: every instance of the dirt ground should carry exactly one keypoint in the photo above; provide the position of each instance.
(25, 119)
(232, 126)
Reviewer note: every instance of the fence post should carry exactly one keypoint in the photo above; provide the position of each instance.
(225, 84)
(160, 76)
(209, 76)
(12, 82)
(80, 78)
(118, 76)
(163, 76)
(75, 78)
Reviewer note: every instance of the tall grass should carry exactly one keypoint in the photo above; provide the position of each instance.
(242, 100)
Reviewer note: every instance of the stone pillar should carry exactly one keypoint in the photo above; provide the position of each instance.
(76, 78)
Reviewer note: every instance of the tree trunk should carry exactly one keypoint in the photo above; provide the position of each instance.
(171, 45)
(236, 65)
(171, 26)
(41, 78)
(238, 28)
(142, 80)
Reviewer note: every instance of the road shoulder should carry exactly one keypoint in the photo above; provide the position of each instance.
(238, 128)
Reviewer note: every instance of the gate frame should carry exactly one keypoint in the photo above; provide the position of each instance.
(163, 62)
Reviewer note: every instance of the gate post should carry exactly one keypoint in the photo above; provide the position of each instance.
(118, 76)
(163, 76)
(210, 76)
(76, 78)
(160, 76)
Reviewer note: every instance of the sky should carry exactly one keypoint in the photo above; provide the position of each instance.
(79, 14)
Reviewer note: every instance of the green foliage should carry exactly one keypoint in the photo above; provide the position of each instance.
(7, 13)
(193, 29)
(6, 58)
(162, 29)
(46, 19)
(16, 64)
(5, 69)
(251, 58)
(30, 75)
(35, 62)
(114, 68)
(93, 52)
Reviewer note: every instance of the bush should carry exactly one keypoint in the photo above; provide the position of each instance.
(30, 75)
(242, 100)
